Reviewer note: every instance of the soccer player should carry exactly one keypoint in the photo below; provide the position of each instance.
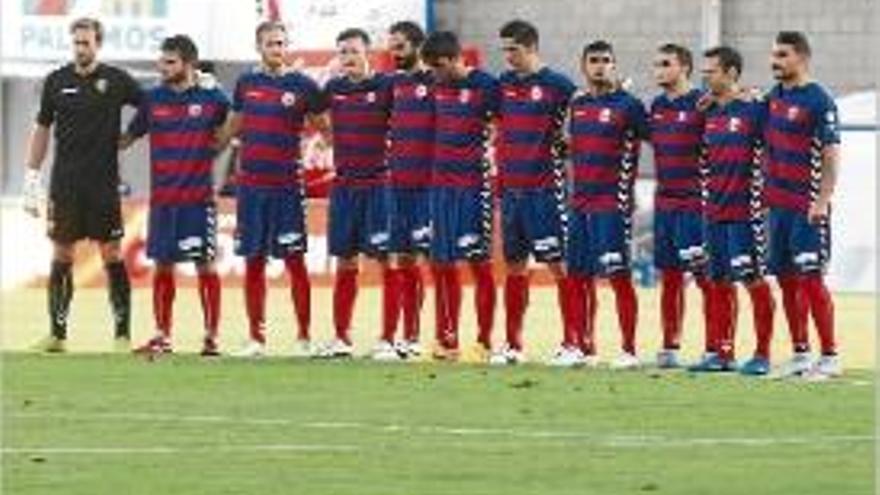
(270, 107)
(802, 161)
(409, 163)
(359, 101)
(676, 130)
(734, 212)
(530, 157)
(606, 126)
(466, 100)
(182, 120)
(83, 100)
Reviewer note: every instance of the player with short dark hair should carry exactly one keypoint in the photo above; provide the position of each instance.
(182, 119)
(466, 101)
(530, 155)
(803, 156)
(676, 127)
(606, 127)
(410, 143)
(270, 106)
(359, 102)
(83, 101)
(735, 228)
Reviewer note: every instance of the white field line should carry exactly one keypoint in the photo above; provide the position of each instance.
(314, 448)
(607, 440)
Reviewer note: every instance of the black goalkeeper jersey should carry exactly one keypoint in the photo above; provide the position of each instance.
(85, 110)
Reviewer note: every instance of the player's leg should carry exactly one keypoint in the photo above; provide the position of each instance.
(613, 243)
(252, 241)
(345, 216)
(750, 247)
(103, 223)
(794, 302)
(573, 290)
(164, 291)
(291, 243)
(811, 249)
(209, 298)
(516, 247)
(722, 296)
(447, 287)
(60, 294)
(474, 242)
(672, 282)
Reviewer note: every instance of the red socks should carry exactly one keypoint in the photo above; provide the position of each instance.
(209, 296)
(300, 293)
(672, 307)
(763, 308)
(484, 300)
(516, 299)
(725, 308)
(412, 298)
(392, 282)
(706, 288)
(344, 295)
(255, 296)
(163, 300)
(794, 303)
(822, 308)
(448, 306)
(627, 309)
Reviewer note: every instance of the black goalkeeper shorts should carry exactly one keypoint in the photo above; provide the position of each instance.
(79, 213)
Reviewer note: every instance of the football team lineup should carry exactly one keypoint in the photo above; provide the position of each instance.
(744, 186)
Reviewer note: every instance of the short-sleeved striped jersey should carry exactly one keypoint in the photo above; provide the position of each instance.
(605, 132)
(531, 119)
(733, 140)
(801, 122)
(463, 111)
(359, 113)
(676, 128)
(181, 127)
(273, 109)
(411, 129)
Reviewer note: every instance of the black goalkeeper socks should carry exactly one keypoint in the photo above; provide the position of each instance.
(120, 297)
(60, 294)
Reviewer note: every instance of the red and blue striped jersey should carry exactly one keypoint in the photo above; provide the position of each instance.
(273, 109)
(411, 129)
(531, 118)
(801, 122)
(676, 128)
(181, 127)
(463, 112)
(606, 133)
(734, 144)
(359, 113)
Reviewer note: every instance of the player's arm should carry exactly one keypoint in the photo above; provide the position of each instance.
(828, 134)
(320, 122)
(136, 128)
(37, 147)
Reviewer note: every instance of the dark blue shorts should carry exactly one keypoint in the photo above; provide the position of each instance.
(461, 224)
(410, 220)
(532, 223)
(182, 233)
(679, 240)
(270, 222)
(796, 245)
(736, 249)
(358, 221)
(598, 244)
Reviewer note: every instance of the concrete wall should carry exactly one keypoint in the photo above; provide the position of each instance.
(843, 32)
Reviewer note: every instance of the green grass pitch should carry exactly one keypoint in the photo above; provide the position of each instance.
(91, 423)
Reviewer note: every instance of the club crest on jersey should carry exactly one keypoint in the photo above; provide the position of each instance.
(194, 110)
(793, 113)
(537, 94)
(288, 99)
(682, 116)
(464, 96)
(421, 91)
(101, 85)
(371, 97)
(605, 115)
(734, 124)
